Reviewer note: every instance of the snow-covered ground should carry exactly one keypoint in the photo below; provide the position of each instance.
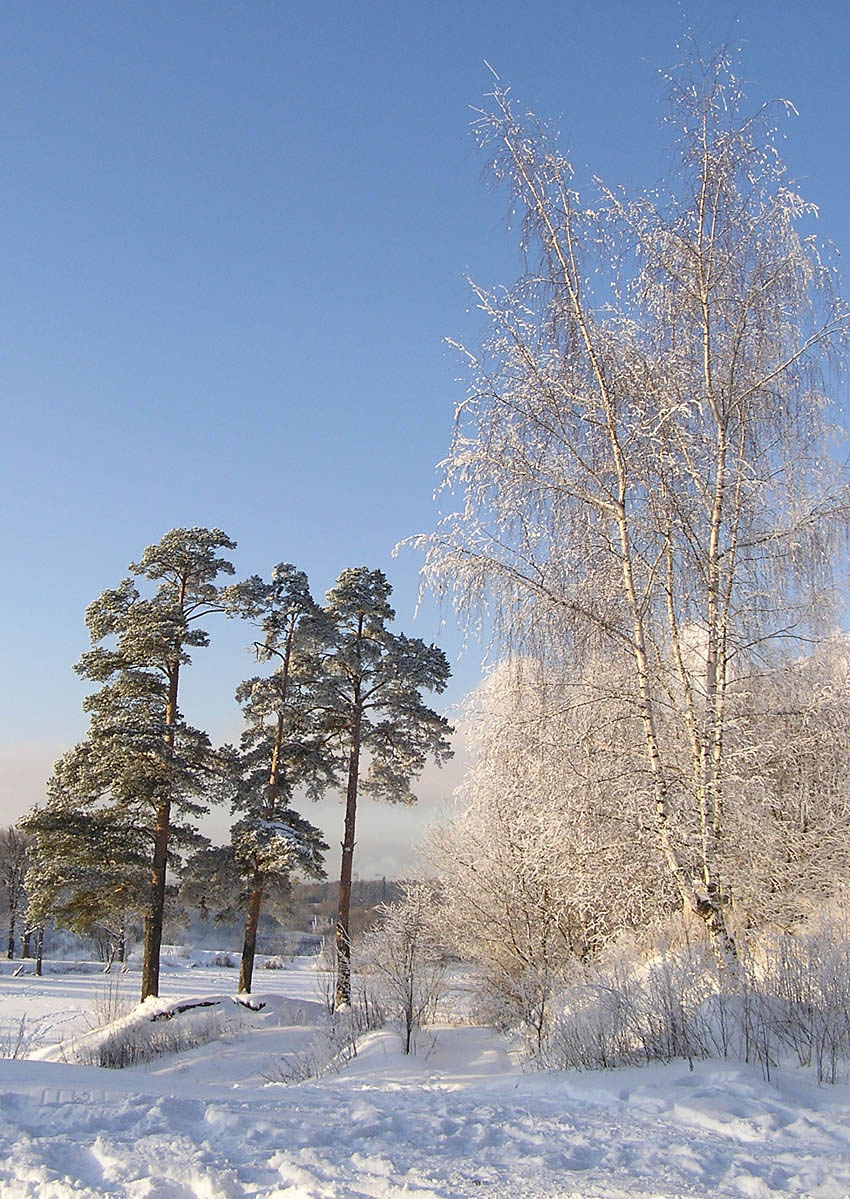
(461, 1118)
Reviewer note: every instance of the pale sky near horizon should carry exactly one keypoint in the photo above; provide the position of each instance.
(235, 236)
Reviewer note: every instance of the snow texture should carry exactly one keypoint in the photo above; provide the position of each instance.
(460, 1118)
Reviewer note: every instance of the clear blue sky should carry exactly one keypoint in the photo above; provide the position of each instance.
(234, 237)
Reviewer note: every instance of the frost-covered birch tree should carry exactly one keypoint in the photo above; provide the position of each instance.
(405, 955)
(786, 849)
(645, 462)
(545, 856)
(14, 856)
(551, 852)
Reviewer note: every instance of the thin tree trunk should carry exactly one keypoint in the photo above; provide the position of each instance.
(156, 913)
(39, 949)
(343, 930)
(249, 944)
(11, 949)
(702, 897)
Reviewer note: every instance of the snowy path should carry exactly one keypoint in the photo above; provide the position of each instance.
(458, 1120)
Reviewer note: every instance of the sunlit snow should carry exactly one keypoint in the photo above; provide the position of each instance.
(460, 1118)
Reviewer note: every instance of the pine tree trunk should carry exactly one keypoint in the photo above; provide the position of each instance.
(156, 913)
(343, 931)
(11, 949)
(25, 944)
(249, 945)
(39, 949)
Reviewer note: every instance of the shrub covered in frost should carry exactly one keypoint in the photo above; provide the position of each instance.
(787, 1000)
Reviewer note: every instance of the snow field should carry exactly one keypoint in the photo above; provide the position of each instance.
(458, 1119)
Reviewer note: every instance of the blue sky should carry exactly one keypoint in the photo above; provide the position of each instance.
(234, 237)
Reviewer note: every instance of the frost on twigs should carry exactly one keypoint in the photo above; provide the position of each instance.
(334, 1045)
(405, 960)
(152, 1029)
(648, 493)
(788, 1006)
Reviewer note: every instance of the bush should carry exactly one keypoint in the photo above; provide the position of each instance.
(334, 1046)
(788, 998)
(146, 1034)
(111, 1003)
(20, 1038)
(405, 960)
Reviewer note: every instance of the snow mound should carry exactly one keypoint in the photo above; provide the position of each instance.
(161, 1026)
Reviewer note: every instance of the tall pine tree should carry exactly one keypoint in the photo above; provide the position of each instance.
(370, 682)
(282, 746)
(148, 643)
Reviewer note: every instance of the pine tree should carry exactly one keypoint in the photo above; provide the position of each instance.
(370, 682)
(95, 836)
(88, 873)
(156, 757)
(282, 746)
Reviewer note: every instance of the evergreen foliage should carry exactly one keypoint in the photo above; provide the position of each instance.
(370, 682)
(284, 745)
(123, 805)
(113, 799)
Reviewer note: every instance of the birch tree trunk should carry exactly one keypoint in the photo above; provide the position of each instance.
(249, 945)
